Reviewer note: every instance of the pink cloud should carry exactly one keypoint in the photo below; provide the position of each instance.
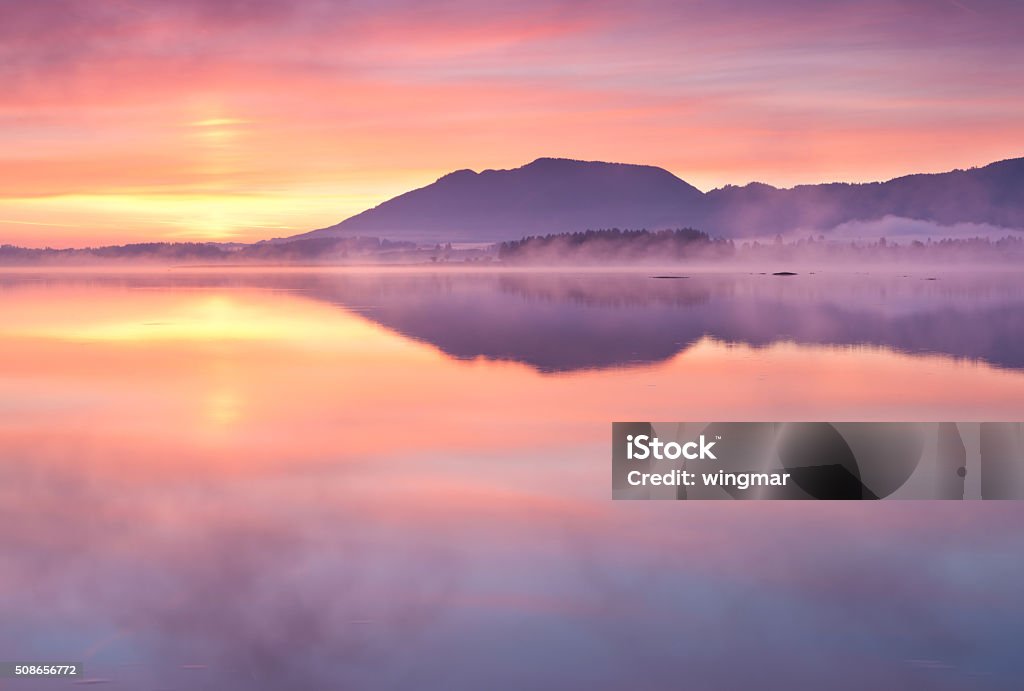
(97, 95)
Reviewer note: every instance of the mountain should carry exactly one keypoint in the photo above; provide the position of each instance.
(553, 195)
(549, 195)
(992, 195)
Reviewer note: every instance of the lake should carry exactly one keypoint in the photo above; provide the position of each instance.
(400, 479)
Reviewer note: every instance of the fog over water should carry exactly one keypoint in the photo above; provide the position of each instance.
(311, 479)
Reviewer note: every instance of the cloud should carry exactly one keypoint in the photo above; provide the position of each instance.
(335, 92)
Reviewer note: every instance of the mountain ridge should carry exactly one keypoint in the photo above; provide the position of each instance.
(554, 195)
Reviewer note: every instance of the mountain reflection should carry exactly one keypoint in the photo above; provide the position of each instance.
(562, 322)
(557, 322)
(567, 321)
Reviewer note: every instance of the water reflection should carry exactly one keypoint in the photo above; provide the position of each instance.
(256, 481)
(566, 321)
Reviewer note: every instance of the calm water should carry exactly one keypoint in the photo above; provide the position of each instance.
(398, 480)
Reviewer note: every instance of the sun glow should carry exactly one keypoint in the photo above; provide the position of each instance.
(117, 218)
(219, 122)
(100, 146)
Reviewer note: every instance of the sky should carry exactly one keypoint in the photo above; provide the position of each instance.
(239, 120)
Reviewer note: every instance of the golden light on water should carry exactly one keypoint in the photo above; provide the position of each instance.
(274, 375)
(223, 406)
(204, 317)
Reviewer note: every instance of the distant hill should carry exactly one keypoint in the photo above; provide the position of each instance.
(553, 195)
(992, 195)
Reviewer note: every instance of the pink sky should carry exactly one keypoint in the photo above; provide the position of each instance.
(241, 120)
